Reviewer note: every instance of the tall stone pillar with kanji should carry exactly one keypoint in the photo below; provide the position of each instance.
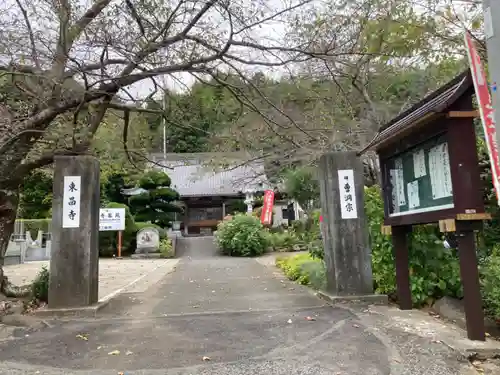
(74, 263)
(345, 234)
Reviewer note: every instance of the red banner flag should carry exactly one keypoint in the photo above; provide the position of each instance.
(485, 109)
(267, 209)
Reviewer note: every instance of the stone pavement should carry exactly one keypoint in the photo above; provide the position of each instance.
(114, 274)
(232, 316)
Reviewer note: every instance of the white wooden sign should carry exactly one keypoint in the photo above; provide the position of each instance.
(111, 219)
(413, 195)
(440, 174)
(71, 202)
(348, 209)
(419, 168)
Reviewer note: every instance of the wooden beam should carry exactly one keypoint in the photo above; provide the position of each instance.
(478, 216)
(463, 114)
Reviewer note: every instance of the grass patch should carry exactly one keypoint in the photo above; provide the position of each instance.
(304, 269)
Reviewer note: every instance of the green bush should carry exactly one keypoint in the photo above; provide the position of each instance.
(35, 200)
(108, 240)
(490, 283)
(244, 235)
(166, 248)
(304, 269)
(40, 286)
(283, 241)
(434, 270)
(307, 230)
(316, 249)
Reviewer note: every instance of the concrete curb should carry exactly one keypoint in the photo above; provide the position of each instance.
(77, 312)
(369, 299)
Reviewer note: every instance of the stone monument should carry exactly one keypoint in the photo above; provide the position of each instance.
(344, 230)
(74, 264)
(148, 241)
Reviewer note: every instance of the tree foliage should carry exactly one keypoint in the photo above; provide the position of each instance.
(36, 195)
(157, 204)
(301, 184)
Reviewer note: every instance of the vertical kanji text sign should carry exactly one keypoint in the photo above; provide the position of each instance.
(348, 209)
(71, 202)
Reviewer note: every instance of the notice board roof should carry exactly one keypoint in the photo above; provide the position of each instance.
(434, 103)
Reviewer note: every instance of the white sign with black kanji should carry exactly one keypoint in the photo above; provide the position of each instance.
(348, 209)
(71, 202)
(111, 219)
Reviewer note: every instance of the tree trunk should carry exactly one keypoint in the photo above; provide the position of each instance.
(9, 200)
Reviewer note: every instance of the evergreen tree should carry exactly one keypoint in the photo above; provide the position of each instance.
(157, 204)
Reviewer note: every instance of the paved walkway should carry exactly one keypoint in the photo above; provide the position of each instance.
(114, 274)
(221, 316)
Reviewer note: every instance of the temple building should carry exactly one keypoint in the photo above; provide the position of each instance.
(209, 191)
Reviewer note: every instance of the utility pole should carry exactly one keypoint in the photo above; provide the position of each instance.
(491, 10)
(164, 122)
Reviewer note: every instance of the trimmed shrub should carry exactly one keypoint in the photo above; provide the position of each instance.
(166, 248)
(490, 283)
(244, 236)
(283, 241)
(304, 269)
(40, 286)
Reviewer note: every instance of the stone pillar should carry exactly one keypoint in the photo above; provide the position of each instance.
(74, 263)
(345, 234)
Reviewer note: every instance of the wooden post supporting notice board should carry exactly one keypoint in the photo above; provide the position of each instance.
(402, 256)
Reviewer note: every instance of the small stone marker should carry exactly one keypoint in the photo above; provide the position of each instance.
(345, 235)
(148, 240)
(74, 264)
